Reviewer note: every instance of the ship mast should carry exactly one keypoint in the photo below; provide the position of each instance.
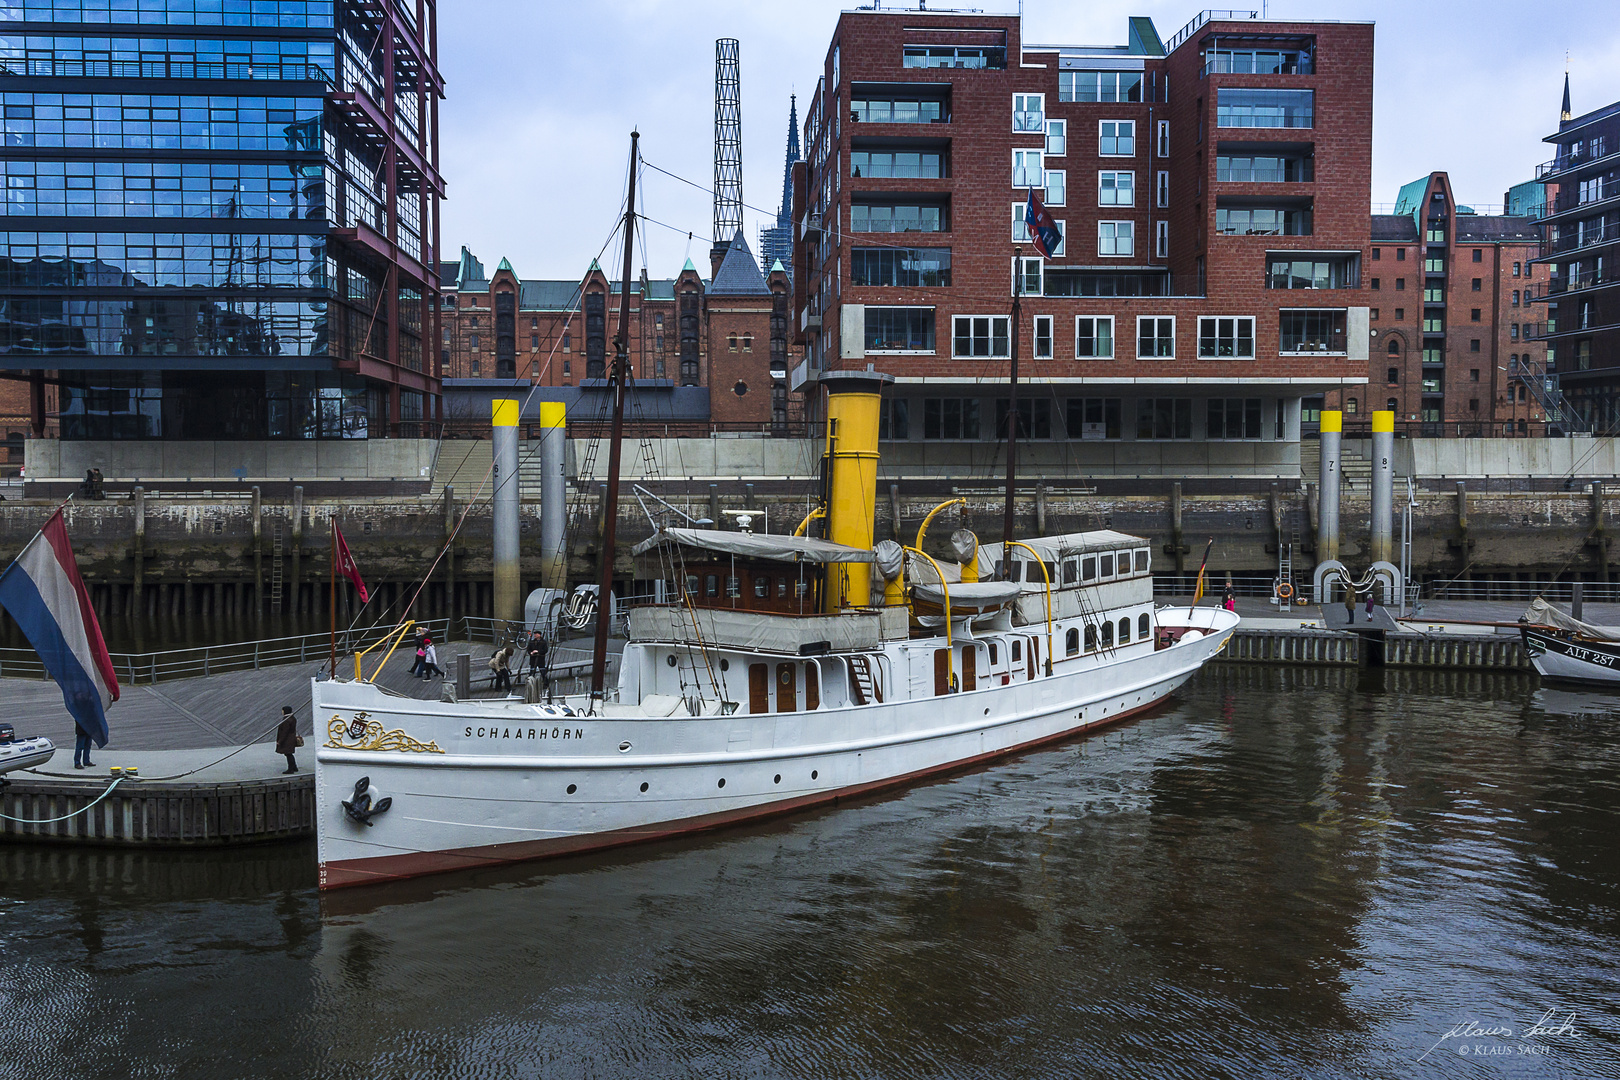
(1012, 414)
(618, 376)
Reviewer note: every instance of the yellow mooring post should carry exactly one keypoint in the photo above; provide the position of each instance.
(854, 400)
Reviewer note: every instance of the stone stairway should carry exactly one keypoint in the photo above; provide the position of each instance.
(1355, 470)
(465, 463)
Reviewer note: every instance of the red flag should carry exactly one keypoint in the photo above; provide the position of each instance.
(1042, 226)
(345, 563)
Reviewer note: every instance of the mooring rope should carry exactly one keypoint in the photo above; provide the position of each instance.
(51, 821)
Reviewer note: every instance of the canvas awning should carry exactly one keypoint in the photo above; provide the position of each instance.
(968, 594)
(758, 545)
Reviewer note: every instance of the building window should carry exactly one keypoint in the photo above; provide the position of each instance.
(1056, 187)
(1400, 314)
(894, 419)
(1155, 337)
(958, 56)
(1057, 137)
(1161, 239)
(897, 163)
(1116, 138)
(1030, 285)
(1092, 418)
(1043, 337)
(1377, 253)
(1029, 113)
(568, 341)
(748, 343)
(1516, 269)
(1102, 86)
(1479, 255)
(1034, 418)
(1234, 418)
(1339, 273)
(897, 218)
(473, 339)
(1164, 138)
(900, 267)
(950, 418)
(1434, 266)
(1515, 297)
(1351, 405)
(1116, 189)
(1400, 284)
(1394, 348)
(731, 342)
(1393, 377)
(896, 110)
(1243, 108)
(1473, 314)
(1473, 374)
(1262, 221)
(900, 329)
(1477, 284)
(975, 336)
(1375, 284)
(1311, 331)
(1513, 332)
(534, 341)
(1020, 222)
(1094, 337)
(1263, 169)
(1400, 254)
(1434, 324)
(1226, 337)
(1028, 170)
(1473, 345)
(1372, 313)
(1116, 238)
(1164, 188)
(1163, 418)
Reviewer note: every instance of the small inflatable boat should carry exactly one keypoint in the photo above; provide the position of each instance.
(18, 753)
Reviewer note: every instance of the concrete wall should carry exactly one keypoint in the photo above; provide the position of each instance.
(1470, 458)
(369, 459)
(767, 459)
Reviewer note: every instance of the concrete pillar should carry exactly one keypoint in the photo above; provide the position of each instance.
(1040, 508)
(1383, 485)
(1176, 546)
(1327, 509)
(139, 548)
(553, 494)
(508, 579)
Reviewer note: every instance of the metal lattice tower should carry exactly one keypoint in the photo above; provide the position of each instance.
(727, 141)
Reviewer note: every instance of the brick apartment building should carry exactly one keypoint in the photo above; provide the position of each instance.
(711, 352)
(1451, 318)
(1581, 325)
(1213, 193)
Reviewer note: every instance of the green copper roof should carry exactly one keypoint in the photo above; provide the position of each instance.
(688, 266)
(777, 267)
(505, 265)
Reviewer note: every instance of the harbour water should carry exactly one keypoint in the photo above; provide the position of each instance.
(1284, 872)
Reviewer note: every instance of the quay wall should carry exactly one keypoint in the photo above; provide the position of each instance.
(148, 814)
(227, 554)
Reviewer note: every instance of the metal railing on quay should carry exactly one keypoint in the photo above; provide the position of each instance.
(1507, 589)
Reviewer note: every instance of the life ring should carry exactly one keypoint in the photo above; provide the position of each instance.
(1285, 591)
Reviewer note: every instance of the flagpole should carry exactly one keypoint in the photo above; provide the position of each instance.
(1198, 588)
(332, 592)
(1012, 415)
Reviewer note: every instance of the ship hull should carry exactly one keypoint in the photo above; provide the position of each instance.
(1557, 657)
(481, 784)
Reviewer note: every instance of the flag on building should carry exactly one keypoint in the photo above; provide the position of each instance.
(345, 563)
(1043, 227)
(45, 594)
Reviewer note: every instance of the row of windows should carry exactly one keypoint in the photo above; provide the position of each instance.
(262, 13)
(1071, 640)
(146, 122)
(178, 326)
(160, 58)
(897, 329)
(1087, 419)
(1247, 108)
(146, 189)
(173, 260)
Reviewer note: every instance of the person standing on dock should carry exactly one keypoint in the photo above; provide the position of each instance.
(287, 738)
(1370, 589)
(430, 661)
(537, 657)
(500, 664)
(81, 748)
(1349, 604)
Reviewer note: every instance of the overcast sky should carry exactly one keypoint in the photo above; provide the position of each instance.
(541, 98)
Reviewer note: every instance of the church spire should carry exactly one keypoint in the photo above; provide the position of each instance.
(784, 213)
(1565, 113)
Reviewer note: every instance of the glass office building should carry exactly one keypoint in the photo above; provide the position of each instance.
(220, 215)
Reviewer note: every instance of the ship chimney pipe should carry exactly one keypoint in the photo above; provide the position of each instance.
(503, 443)
(553, 493)
(1327, 509)
(1383, 484)
(853, 401)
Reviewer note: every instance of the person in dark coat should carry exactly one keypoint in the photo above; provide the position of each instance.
(81, 748)
(537, 651)
(287, 738)
(1349, 604)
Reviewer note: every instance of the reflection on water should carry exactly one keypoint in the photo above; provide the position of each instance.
(1302, 873)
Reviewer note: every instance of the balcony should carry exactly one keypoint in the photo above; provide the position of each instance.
(1203, 17)
(1578, 157)
(1561, 285)
(1576, 239)
(1551, 331)
(1569, 202)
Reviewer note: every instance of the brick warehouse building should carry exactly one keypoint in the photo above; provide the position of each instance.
(1213, 192)
(709, 354)
(1452, 352)
(221, 227)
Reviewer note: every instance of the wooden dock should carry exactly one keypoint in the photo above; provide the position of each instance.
(163, 814)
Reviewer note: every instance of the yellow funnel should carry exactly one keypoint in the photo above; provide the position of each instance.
(854, 399)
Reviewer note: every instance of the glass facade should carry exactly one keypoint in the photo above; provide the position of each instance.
(203, 215)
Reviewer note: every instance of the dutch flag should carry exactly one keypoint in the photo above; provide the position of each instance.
(44, 593)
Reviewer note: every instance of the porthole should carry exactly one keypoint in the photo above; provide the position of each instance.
(778, 779)
(671, 661)
(644, 785)
(572, 788)
(624, 747)
(725, 665)
(814, 774)
(722, 781)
